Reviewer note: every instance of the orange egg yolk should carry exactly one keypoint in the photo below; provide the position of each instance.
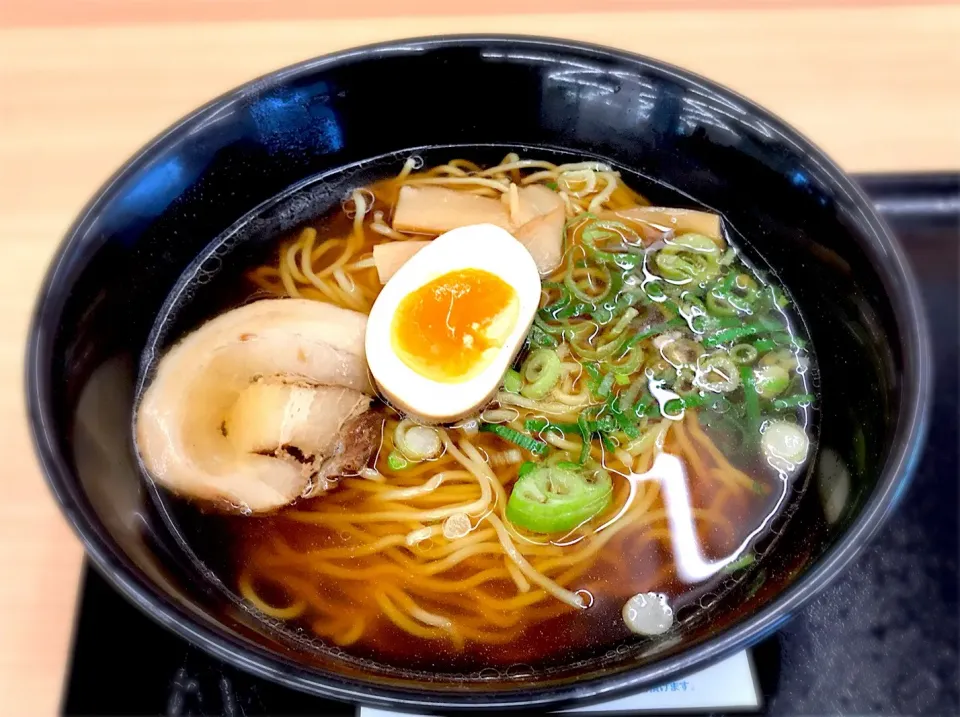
(450, 328)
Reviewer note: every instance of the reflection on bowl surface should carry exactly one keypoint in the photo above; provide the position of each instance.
(382, 411)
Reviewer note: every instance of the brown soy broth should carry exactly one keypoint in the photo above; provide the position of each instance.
(629, 566)
(630, 563)
(553, 640)
(224, 543)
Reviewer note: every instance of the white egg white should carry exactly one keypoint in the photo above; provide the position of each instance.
(479, 246)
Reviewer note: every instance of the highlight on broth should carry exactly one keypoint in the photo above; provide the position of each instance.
(639, 435)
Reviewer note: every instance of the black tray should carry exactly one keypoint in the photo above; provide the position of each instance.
(881, 640)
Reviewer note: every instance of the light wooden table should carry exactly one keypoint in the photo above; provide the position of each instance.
(82, 85)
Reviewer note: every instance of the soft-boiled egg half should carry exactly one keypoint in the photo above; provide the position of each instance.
(448, 324)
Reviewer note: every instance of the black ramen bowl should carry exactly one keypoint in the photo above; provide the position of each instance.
(283, 149)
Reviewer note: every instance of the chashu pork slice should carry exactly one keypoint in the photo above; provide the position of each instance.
(248, 411)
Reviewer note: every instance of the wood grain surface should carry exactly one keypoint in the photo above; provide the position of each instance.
(47, 13)
(83, 84)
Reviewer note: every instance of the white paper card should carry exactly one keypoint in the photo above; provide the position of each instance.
(729, 684)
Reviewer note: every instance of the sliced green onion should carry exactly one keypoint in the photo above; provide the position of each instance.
(586, 429)
(777, 297)
(764, 345)
(420, 443)
(745, 282)
(508, 434)
(550, 310)
(593, 376)
(623, 322)
(860, 450)
(621, 379)
(718, 404)
(740, 563)
(672, 310)
(623, 260)
(606, 424)
(785, 441)
(614, 281)
(783, 357)
(675, 405)
(743, 354)
(784, 338)
(550, 499)
(675, 266)
(682, 352)
(396, 461)
(628, 427)
(539, 337)
(685, 383)
(643, 406)
(578, 308)
(771, 381)
(620, 228)
(653, 290)
(540, 372)
(768, 323)
(728, 335)
(602, 316)
(564, 330)
(611, 348)
(623, 421)
(628, 398)
(718, 303)
(726, 286)
(525, 468)
(723, 322)
(751, 401)
(692, 305)
(654, 330)
(627, 363)
(585, 437)
(539, 425)
(718, 374)
(536, 424)
(592, 233)
(689, 257)
(512, 382)
(415, 442)
(603, 390)
(600, 306)
(737, 293)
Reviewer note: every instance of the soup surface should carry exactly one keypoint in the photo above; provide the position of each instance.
(650, 426)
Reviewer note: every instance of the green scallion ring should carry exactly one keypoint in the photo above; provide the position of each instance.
(743, 354)
(541, 372)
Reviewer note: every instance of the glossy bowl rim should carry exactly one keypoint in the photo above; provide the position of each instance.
(878, 243)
